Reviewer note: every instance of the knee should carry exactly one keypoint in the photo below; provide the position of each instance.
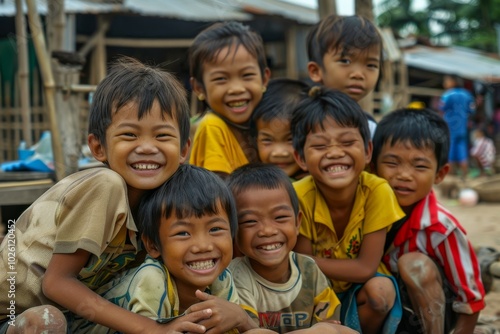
(380, 295)
(417, 270)
(39, 319)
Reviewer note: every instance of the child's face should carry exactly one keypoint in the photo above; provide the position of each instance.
(354, 74)
(144, 152)
(274, 142)
(410, 171)
(194, 250)
(233, 84)
(267, 230)
(335, 156)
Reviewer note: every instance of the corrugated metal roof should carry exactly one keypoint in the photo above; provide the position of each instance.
(8, 7)
(189, 10)
(464, 62)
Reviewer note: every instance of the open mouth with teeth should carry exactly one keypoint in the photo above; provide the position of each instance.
(238, 106)
(145, 166)
(336, 168)
(202, 265)
(271, 246)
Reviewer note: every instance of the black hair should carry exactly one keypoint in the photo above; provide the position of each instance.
(128, 81)
(262, 176)
(341, 33)
(190, 191)
(423, 128)
(320, 104)
(279, 100)
(208, 44)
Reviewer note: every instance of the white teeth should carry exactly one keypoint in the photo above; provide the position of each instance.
(202, 265)
(237, 104)
(146, 166)
(272, 247)
(336, 168)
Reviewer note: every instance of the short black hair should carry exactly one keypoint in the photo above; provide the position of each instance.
(190, 191)
(279, 101)
(262, 176)
(128, 81)
(209, 43)
(423, 128)
(336, 32)
(321, 103)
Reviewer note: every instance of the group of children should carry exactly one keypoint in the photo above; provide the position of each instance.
(227, 244)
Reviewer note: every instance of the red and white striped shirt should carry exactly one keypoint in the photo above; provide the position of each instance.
(434, 231)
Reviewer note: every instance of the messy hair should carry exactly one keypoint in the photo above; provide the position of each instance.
(423, 128)
(191, 191)
(321, 103)
(130, 81)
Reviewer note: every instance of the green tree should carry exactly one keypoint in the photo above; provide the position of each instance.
(468, 23)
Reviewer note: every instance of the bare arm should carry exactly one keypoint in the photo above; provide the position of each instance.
(61, 284)
(357, 270)
(466, 323)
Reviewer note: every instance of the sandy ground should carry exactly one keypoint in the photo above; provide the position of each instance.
(482, 223)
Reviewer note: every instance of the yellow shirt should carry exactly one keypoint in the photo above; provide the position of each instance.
(375, 208)
(215, 147)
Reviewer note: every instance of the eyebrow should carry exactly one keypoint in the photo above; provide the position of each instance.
(277, 208)
(156, 127)
(186, 223)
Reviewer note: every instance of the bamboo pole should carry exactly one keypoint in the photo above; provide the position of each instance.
(49, 85)
(23, 72)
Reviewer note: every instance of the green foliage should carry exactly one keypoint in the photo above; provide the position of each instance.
(468, 23)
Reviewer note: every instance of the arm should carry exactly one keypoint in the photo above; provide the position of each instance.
(357, 270)
(466, 323)
(61, 284)
(225, 314)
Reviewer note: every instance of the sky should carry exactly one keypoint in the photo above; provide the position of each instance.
(346, 7)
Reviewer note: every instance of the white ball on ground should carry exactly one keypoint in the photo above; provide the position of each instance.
(468, 197)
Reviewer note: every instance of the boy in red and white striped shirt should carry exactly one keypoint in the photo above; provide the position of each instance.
(428, 251)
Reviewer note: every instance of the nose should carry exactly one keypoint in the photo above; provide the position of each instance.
(357, 72)
(202, 245)
(280, 151)
(146, 146)
(335, 151)
(236, 86)
(404, 173)
(266, 229)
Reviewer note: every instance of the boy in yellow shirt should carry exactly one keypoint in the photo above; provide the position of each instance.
(346, 211)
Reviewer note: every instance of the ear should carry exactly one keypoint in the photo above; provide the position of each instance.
(97, 148)
(441, 174)
(300, 162)
(185, 151)
(150, 247)
(315, 72)
(368, 153)
(298, 221)
(266, 76)
(197, 87)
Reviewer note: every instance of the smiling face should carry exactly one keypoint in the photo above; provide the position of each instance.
(233, 84)
(194, 250)
(144, 152)
(355, 73)
(335, 156)
(274, 142)
(267, 231)
(410, 171)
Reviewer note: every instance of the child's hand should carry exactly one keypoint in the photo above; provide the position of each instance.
(225, 315)
(187, 323)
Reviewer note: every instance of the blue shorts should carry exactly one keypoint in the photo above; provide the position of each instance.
(459, 149)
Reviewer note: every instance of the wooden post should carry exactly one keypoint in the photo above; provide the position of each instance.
(327, 7)
(365, 8)
(49, 85)
(23, 72)
(291, 54)
(56, 23)
(68, 113)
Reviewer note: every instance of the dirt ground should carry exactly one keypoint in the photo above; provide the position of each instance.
(482, 223)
